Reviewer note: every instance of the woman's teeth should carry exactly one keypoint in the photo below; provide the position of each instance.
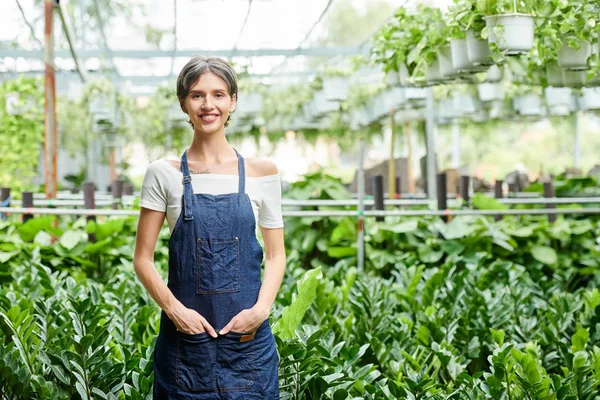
(208, 117)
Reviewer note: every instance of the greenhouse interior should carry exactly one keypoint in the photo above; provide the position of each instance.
(417, 185)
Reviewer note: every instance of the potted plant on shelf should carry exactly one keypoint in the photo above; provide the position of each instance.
(467, 22)
(509, 25)
(393, 43)
(336, 84)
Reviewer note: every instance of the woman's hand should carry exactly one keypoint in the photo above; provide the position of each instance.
(246, 321)
(190, 321)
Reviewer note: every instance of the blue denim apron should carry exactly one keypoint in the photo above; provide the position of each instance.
(214, 268)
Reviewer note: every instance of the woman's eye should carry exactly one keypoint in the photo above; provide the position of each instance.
(220, 95)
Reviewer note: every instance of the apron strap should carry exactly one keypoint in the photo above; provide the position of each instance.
(187, 188)
(241, 172)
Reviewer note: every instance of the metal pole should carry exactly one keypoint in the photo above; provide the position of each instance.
(549, 193)
(377, 185)
(498, 194)
(360, 254)
(429, 129)
(27, 204)
(392, 160)
(464, 187)
(455, 144)
(441, 193)
(411, 185)
(576, 150)
(51, 136)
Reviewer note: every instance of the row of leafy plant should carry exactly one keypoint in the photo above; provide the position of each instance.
(471, 309)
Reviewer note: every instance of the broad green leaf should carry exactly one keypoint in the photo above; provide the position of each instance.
(70, 239)
(544, 254)
(579, 340)
(292, 315)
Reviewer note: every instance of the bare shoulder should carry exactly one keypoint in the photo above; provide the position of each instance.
(260, 167)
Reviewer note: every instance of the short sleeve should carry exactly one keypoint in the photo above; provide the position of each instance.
(269, 213)
(154, 194)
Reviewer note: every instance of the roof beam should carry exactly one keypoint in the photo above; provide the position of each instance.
(310, 51)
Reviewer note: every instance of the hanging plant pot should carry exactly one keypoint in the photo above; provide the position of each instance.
(575, 59)
(447, 70)
(496, 109)
(590, 99)
(323, 106)
(460, 57)
(518, 36)
(397, 97)
(392, 78)
(529, 105)
(432, 74)
(574, 79)
(415, 97)
(464, 104)
(336, 88)
(478, 50)
(494, 74)
(555, 75)
(559, 100)
(490, 91)
(446, 110)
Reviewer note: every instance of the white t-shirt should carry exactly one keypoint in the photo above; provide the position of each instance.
(162, 190)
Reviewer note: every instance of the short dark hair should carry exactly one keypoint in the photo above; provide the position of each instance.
(199, 65)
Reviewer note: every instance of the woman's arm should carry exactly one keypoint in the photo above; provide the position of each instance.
(185, 319)
(275, 260)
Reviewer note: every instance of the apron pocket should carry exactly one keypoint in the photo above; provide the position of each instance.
(196, 355)
(235, 358)
(218, 265)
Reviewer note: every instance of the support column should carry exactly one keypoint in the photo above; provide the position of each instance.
(50, 131)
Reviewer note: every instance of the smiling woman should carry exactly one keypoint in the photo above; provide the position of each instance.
(215, 339)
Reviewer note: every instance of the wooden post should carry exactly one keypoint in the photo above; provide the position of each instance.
(411, 184)
(112, 166)
(50, 131)
(442, 196)
(392, 160)
(512, 188)
(463, 188)
(549, 194)
(377, 184)
(4, 195)
(398, 188)
(90, 204)
(117, 193)
(27, 203)
(128, 189)
(498, 194)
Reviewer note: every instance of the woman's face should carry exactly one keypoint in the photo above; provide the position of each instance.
(208, 103)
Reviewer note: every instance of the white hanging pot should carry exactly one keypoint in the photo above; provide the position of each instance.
(392, 78)
(572, 59)
(574, 79)
(530, 105)
(464, 104)
(432, 74)
(446, 110)
(590, 99)
(447, 70)
(478, 51)
(555, 75)
(494, 74)
(397, 97)
(518, 37)
(415, 96)
(322, 105)
(336, 88)
(490, 91)
(460, 57)
(558, 97)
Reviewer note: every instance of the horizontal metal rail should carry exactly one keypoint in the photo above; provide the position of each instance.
(329, 213)
(128, 200)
